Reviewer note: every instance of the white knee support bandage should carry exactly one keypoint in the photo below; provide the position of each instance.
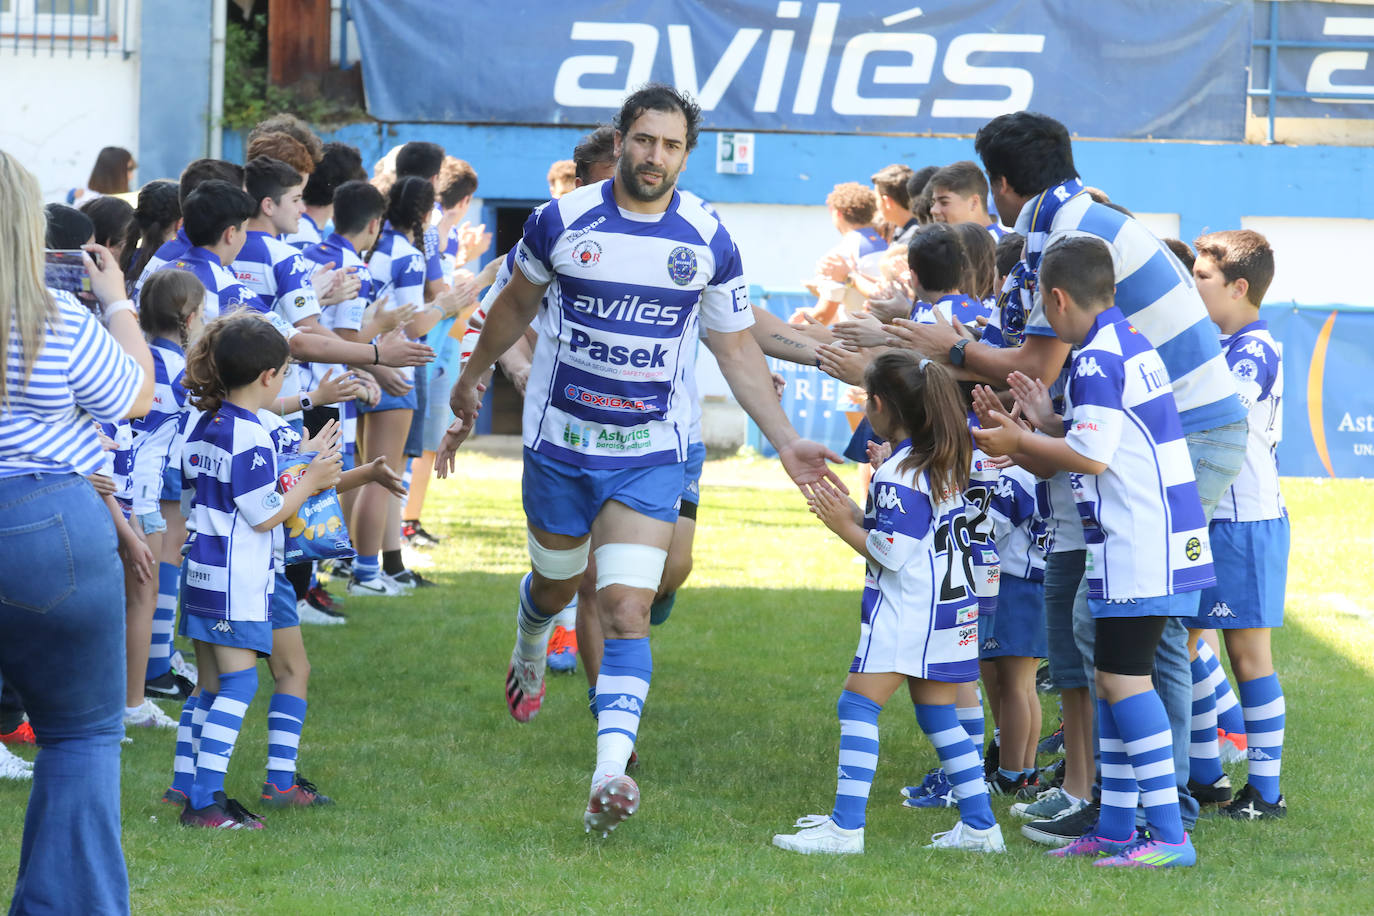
(632, 565)
(557, 564)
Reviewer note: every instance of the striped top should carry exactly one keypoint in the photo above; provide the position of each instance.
(81, 374)
(1254, 357)
(1157, 295)
(1018, 513)
(156, 445)
(1142, 518)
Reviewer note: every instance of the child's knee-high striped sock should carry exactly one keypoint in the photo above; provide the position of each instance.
(627, 666)
(207, 699)
(1265, 715)
(961, 762)
(971, 718)
(532, 625)
(1204, 754)
(1120, 795)
(1144, 728)
(285, 720)
(164, 621)
(184, 763)
(858, 758)
(220, 732)
(1229, 716)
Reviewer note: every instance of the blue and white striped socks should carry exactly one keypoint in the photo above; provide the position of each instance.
(1229, 716)
(1265, 716)
(1143, 726)
(164, 621)
(532, 625)
(1120, 794)
(220, 732)
(367, 568)
(961, 761)
(1204, 753)
(184, 763)
(858, 758)
(285, 720)
(622, 686)
(971, 718)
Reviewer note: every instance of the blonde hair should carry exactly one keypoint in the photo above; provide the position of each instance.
(25, 304)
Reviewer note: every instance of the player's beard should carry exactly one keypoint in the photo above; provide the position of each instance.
(629, 177)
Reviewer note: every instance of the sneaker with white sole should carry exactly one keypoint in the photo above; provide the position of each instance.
(613, 799)
(971, 838)
(1047, 805)
(379, 587)
(402, 586)
(413, 559)
(148, 715)
(12, 766)
(820, 834)
(525, 686)
(308, 613)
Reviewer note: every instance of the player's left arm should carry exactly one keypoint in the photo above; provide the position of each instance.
(781, 340)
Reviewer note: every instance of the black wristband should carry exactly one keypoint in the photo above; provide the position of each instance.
(376, 356)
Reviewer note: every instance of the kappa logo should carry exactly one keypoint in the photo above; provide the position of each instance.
(1258, 753)
(991, 643)
(223, 627)
(841, 774)
(1221, 609)
(416, 265)
(1088, 367)
(625, 702)
(1193, 548)
(887, 498)
(1256, 349)
(578, 233)
(298, 266)
(258, 461)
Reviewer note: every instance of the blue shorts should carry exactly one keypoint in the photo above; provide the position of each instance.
(1183, 604)
(1018, 628)
(241, 634)
(391, 402)
(696, 460)
(171, 484)
(348, 462)
(857, 449)
(1251, 562)
(562, 498)
(414, 445)
(1063, 572)
(284, 604)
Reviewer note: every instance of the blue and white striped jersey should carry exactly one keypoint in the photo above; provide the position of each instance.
(348, 316)
(156, 446)
(229, 460)
(918, 542)
(169, 250)
(956, 307)
(307, 235)
(607, 386)
(982, 482)
(1254, 357)
(223, 292)
(281, 278)
(1158, 296)
(80, 373)
(1018, 514)
(1142, 518)
(997, 230)
(398, 270)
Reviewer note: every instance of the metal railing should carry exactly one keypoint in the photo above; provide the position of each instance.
(1273, 94)
(70, 28)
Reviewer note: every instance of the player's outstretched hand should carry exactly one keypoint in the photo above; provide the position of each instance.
(833, 508)
(844, 363)
(396, 349)
(378, 471)
(805, 462)
(863, 330)
(931, 340)
(465, 402)
(1000, 438)
(985, 401)
(1034, 400)
(878, 452)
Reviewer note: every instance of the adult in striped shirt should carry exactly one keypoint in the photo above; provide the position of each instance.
(63, 371)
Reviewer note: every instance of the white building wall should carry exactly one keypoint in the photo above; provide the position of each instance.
(57, 112)
(1317, 261)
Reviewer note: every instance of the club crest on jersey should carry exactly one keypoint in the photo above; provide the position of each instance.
(682, 265)
(1193, 548)
(586, 253)
(606, 401)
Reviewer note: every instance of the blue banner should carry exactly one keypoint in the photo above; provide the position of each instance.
(1341, 65)
(1172, 69)
(1328, 403)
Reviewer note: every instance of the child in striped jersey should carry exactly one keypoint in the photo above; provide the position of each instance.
(919, 617)
(170, 316)
(1148, 554)
(233, 371)
(1249, 533)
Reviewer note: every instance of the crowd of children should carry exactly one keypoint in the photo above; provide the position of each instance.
(302, 315)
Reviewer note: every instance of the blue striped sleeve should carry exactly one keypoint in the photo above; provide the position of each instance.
(104, 380)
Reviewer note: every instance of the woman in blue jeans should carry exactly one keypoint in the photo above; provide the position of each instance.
(61, 583)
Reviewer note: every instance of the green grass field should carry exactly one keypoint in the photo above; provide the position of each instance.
(446, 805)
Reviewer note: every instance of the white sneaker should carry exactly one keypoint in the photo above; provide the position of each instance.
(965, 837)
(308, 613)
(184, 668)
(380, 587)
(413, 559)
(12, 766)
(613, 799)
(149, 715)
(402, 588)
(820, 834)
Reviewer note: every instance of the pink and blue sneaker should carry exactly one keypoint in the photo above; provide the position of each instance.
(1152, 853)
(1089, 844)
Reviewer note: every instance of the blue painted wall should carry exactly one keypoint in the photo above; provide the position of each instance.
(174, 85)
(1207, 184)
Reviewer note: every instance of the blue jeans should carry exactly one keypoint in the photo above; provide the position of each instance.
(1218, 455)
(71, 618)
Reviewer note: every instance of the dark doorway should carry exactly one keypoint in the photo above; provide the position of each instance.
(501, 409)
